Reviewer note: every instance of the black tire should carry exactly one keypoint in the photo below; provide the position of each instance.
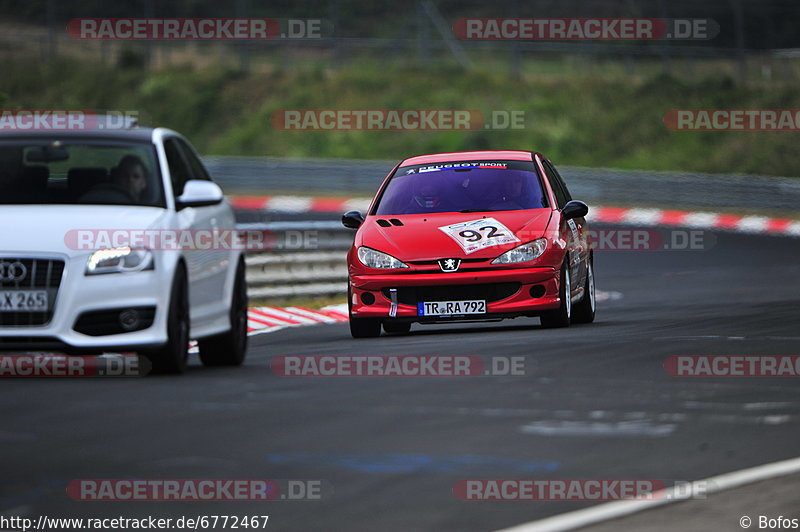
(230, 348)
(583, 311)
(560, 317)
(365, 327)
(396, 327)
(172, 357)
(361, 327)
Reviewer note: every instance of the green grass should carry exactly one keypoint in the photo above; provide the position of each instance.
(578, 118)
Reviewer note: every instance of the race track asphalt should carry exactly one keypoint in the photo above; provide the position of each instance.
(595, 402)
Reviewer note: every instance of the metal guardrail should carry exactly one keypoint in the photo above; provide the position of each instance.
(302, 259)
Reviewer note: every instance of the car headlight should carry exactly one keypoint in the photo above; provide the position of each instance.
(376, 259)
(524, 253)
(119, 260)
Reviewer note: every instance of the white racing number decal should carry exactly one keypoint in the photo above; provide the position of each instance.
(478, 234)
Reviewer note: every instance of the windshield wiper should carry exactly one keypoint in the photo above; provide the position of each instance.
(479, 210)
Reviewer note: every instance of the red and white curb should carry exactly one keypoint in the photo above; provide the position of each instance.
(695, 219)
(298, 204)
(268, 319)
(610, 215)
(262, 320)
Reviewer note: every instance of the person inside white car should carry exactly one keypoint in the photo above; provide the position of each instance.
(131, 175)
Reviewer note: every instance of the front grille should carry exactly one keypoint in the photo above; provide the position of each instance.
(104, 322)
(491, 292)
(41, 274)
(436, 262)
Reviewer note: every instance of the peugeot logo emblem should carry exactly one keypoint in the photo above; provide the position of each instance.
(449, 265)
(12, 271)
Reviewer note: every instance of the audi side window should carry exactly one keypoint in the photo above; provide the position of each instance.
(197, 170)
(561, 198)
(178, 171)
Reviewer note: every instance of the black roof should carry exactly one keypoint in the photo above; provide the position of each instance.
(135, 134)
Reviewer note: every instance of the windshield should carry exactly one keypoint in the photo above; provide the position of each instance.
(80, 172)
(462, 186)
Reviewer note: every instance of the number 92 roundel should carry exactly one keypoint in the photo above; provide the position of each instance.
(475, 235)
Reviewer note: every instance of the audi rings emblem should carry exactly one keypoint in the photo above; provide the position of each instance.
(12, 271)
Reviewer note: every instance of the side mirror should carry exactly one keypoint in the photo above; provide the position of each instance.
(574, 209)
(352, 219)
(199, 193)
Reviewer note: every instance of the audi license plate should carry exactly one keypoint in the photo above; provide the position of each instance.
(451, 308)
(23, 300)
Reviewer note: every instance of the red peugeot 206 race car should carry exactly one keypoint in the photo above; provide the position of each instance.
(470, 236)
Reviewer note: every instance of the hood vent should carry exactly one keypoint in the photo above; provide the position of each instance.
(390, 222)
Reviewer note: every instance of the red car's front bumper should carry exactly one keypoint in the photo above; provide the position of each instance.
(537, 291)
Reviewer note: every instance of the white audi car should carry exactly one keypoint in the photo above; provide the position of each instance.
(110, 242)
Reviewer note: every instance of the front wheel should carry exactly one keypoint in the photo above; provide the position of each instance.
(230, 348)
(365, 327)
(584, 310)
(172, 357)
(560, 317)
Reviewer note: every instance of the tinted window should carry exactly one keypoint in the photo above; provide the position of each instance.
(556, 184)
(198, 171)
(561, 182)
(178, 170)
(49, 171)
(468, 186)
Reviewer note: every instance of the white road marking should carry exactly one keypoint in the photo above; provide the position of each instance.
(315, 316)
(289, 204)
(357, 204)
(614, 510)
(729, 338)
(598, 428)
(753, 224)
(602, 295)
(643, 216)
(701, 219)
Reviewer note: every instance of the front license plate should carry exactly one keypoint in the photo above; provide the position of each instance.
(451, 308)
(22, 300)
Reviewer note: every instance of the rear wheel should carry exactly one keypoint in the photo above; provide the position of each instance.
(172, 357)
(396, 327)
(560, 317)
(230, 348)
(583, 311)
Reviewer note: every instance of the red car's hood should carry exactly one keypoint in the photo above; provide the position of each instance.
(419, 238)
